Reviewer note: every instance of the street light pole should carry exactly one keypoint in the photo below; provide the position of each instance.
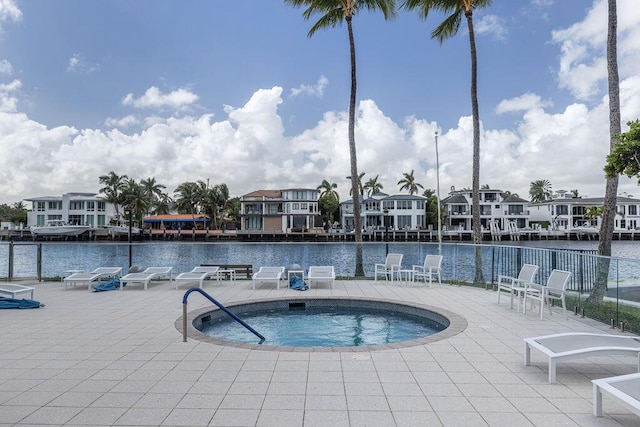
(438, 195)
(127, 211)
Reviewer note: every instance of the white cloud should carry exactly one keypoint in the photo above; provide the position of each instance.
(524, 102)
(6, 67)
(492, 25)
(313, 90)
(8, 100)
(9, 11)
(154, 98)
(583, 65)
(122, 122)
(78, 64)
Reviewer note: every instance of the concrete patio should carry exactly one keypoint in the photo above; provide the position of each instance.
(116, 358)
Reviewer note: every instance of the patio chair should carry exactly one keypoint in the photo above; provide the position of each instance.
(146, 276)
(575, 345)
(321, 274)
(94, 276)
(624, 388)
(198, 274)
(554, 290)
(429, 270)
(392, 264)
(517, 285)
(268, 274)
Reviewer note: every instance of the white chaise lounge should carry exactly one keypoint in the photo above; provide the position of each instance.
(13, 289)
(146, 276)
(197, 275)
(91, 277)
(268, 274)
(624, 388)
(576, 345)
(321, 273)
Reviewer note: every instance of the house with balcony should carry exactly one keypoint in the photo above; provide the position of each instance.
(286, 210)
(565, 212)
(397, 212)
(498, 210)
(74, 208)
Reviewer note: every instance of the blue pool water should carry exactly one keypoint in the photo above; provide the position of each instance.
(327, 326)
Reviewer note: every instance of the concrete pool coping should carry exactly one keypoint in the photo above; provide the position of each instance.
(456, 324)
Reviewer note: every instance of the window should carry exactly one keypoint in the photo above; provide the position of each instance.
(404, 221)
(421, 222)
(55, 206)
(516, 209)
(404, 204)
(76, 206)
(76, 219)
(295, 206)
(91, 206)
(388, 205)
(562, 210)
(101, 220)
(419, 204)
(304, 206)
(40, 206)
(299, 195)
(102, 206)
(485, 209)
(633, 210)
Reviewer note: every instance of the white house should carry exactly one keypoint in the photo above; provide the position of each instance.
(398, 212)
(74, 208)
(294, 209)
(564, 212)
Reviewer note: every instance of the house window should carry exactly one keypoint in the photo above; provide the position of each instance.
(102, 206)
(295, 206)
(299, 195)
(485, 209)
(76, 219)
(76, 206)
(55, 206)
(404, 204)
(304, 206)
(91, 206)
(419, 204)
(404, 221)
(388, 205)
(633, 210)
(101, 220)
(516, 209)
(40, 206)
(562, 210)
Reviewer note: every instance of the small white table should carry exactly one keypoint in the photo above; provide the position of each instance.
(13, 290)
(231, 274)
(295, 273)
(405, 276)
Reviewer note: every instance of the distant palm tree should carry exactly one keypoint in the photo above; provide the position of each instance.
(540, 190)
(328, 189)
(409, 183)
(333, 13)
(187, 197)
(152, 191)
(135, 198)
(372, 186)
(574, 194)
(113, 186)
(359, 184)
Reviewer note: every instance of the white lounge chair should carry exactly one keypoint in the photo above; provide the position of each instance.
(392, 264)
(429, 270)
(13, 289)
(198, 274)
(146, 276)
(554, 290)
(321, 274)
(268, 274)
(575, 345)
(624, 388)
(94, 276)
(517, 285)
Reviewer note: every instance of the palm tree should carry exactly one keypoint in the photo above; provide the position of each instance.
(409, 183)
(113, 186)
(134, 196)
(327, 189)
(359, 185)
(611, 188)
(372, 186)
(187, 198)
(333, 13)
(152, 191)
(540, 190)
(575, 194)
(223, 201)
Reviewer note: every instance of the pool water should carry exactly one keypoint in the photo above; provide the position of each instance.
(323, 327)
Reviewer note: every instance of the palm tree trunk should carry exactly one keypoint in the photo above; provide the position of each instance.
(611, 189)
(475, 207)
(357, 221)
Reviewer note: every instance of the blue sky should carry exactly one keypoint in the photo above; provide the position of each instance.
(236, 92)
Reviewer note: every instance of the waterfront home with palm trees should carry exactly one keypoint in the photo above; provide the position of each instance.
(397, 212)
(564, 212)
(287, 210)
(73, 208)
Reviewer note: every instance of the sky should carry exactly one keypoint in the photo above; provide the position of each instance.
(237, 93)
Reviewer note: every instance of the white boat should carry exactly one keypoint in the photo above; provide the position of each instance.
(58, 227)
(116, 229)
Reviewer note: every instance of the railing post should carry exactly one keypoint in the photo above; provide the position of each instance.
(184, 322)
(10, 272)
(39, 261)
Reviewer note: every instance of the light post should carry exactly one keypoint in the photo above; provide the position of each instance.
(438, 195)
(128, 212)
(385, 216)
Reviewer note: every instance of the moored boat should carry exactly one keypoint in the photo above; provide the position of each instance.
(58, 227)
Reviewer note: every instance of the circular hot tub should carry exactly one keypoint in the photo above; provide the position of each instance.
(324, 324)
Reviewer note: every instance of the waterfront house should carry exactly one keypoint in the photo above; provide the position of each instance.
(288, 210)
(176, 222)
(397, 212)
(564, 212)
(74, 208)
(498, 209)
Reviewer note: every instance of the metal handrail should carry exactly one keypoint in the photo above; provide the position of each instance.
(220, 306)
